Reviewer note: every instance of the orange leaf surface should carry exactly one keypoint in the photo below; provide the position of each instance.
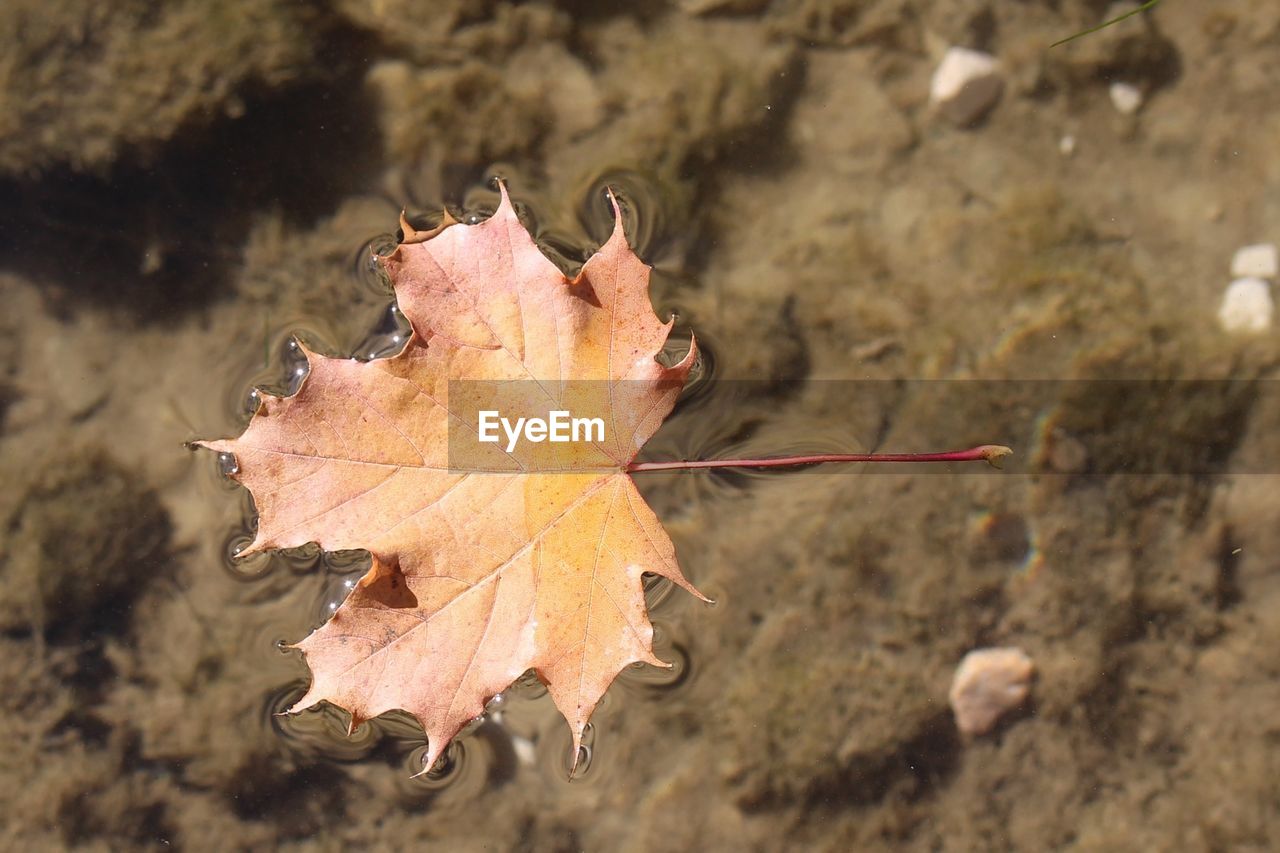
(488, 561)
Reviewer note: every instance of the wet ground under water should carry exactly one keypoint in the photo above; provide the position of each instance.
(186, 188)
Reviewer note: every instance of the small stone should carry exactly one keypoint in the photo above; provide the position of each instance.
(1067, 145)
(988, 683)
(1126, 97)
(524, 750)
(1246, 306)
(1257, 261)
(966, 85)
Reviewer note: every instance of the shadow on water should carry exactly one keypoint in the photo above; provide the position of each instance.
(160, 233)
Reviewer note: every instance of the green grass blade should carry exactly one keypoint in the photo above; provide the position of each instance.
(1144, 7)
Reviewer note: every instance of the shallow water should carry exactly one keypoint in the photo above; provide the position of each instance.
(860, 273)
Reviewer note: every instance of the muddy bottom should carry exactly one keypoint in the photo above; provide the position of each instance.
(185, 190)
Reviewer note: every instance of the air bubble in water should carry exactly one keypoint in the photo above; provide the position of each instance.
(228, 465)
(388, 337)
(460, 772)
(647, 205)
(367, 269)
(584, 764)
(251, 568)
(336, 591)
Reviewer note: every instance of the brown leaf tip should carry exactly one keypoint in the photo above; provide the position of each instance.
(413, 235)
(994, 454)
(617, 209)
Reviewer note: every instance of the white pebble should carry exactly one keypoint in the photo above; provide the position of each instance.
(966, 85)
(988, 683)
(524, 750)
(1067, 145)
(1246, 306)
(1257, 261)
(1126, 97)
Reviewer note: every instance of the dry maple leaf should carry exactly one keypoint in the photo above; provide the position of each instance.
(487, 560)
